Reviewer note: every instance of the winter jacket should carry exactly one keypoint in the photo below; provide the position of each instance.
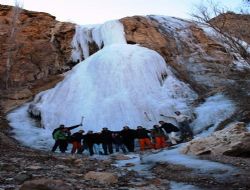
(169, 127)
(106, 136)
(77, 137)
(181, 118)
(157, 132)
(142, 133)
(60, 135)
(128, 135)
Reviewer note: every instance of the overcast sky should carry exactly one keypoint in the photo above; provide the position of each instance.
(98, 11)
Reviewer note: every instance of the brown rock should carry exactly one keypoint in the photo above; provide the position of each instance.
(45, 184)
(232, 141)
(235, 24)
(101, 177)
(39, 47)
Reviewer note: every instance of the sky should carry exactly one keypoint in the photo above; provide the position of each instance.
(99, 11)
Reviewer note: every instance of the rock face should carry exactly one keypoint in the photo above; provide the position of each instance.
(235, 24)
(232, 141)
(33, 44)
(198, 58)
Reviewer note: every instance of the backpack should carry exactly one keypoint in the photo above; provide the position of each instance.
(54, 131)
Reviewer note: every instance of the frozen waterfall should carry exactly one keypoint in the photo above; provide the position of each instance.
(119, 85)
(111, 32)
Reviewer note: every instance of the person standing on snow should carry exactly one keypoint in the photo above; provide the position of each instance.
(61, 137)
(144, 139)
(106, 139)
(57, 143)
(183, 121)
(89, 140)
(128, 137)
(159, 137)
(76, 139)
(171, 131)
(118, 142)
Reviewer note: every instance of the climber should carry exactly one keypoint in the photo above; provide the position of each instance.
(128, 136)
(144, 139)
(61, 138)
(171, 130)
(89, 140)
(68, 134)
(118, 142)
(76, 139)
(183, 121)
(106, 139)
(159, 137)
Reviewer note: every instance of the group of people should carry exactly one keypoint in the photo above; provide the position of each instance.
(161, 135)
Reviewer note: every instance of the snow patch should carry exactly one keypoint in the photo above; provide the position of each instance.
(200, 166)
(25, 130)
(183, 186)
(248, 127)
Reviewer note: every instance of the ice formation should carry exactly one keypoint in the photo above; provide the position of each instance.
(215, 109)
(110, 32)
(119, 85)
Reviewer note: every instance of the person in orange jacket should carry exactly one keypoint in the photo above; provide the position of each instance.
(144, 139)
(76, 139)
(159, 137)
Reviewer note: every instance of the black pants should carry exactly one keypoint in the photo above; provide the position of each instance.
(90, 147)
(130, 145)
(55, 145)
(120, 146)
(63, 144)
(186, 132)
(107, 147)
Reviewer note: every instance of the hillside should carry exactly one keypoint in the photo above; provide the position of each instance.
(123, 72)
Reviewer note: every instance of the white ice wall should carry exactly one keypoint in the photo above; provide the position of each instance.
(110, 32)
(112, 88)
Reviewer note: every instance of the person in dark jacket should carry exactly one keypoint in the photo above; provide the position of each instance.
(159, 137)
(57, 143)
(106, 139)
(128, 136)
(118, 142)
(171, 130)
(76, 139)
(89, 140)
(144, 139)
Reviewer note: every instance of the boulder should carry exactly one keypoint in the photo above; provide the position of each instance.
(101, 177)
(45, 184)
(232, 141)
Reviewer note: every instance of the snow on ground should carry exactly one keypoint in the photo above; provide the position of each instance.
(214, 110)
(200, 166)
(183, 186)
(173, 156)
(26, 130)
(248, 126)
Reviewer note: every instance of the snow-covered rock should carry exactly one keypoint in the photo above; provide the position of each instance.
(233, 141)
